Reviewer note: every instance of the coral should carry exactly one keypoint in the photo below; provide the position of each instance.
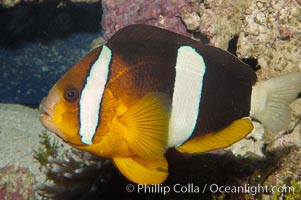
(286, 175)
(16, 183)
(271, 33)
(296, 107)
(191, 20)
(219, 20)
(268, 31)
(286, 140)
(162, 13)
(75, 175)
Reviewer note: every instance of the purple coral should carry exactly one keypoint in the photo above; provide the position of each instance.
(16, 182)
(161, 13)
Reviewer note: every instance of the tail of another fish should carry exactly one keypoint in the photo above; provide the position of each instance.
(271, 98)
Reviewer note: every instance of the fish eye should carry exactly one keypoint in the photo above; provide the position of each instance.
(71, 94)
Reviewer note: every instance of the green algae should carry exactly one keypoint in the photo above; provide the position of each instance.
(47, 149)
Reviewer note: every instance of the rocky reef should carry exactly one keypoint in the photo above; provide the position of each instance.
(218, 20)
(16, 182)
(268, 31)
(161, 13)
(271, 33)
(287, 174)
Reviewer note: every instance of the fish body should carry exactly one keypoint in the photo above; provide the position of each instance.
(149, 89)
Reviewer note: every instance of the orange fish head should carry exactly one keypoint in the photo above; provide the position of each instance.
(60, 115)
(61, 107)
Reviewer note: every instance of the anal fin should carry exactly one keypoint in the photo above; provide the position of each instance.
(142, 171)
(221, 139)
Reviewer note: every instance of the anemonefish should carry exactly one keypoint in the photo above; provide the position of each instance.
(148, 89)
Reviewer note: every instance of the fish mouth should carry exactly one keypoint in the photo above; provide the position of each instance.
(46, 119)
(46, 115)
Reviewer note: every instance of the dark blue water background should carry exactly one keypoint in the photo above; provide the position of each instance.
(28, 72)
(40, 42)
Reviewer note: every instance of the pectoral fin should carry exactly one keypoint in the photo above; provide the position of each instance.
(142, 171)
(146, 125)
(221, 139)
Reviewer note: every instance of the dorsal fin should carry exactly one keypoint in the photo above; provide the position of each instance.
(141, 33)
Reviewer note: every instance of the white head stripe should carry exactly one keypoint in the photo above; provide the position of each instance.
(91, 95)
(190, 70)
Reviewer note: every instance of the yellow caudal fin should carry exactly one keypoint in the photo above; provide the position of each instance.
(221, 139)
(146, 125)
(142, 171)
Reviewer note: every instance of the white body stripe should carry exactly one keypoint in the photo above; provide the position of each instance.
(91, 95)
(190, 70)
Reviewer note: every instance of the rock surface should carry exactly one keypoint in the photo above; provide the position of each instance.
(19, 131)
(16, 183)
(12, 3)
(268, 31)
(163, 13)
(271, 33)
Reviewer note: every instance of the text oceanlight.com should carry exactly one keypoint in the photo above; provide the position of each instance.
(191, 188)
